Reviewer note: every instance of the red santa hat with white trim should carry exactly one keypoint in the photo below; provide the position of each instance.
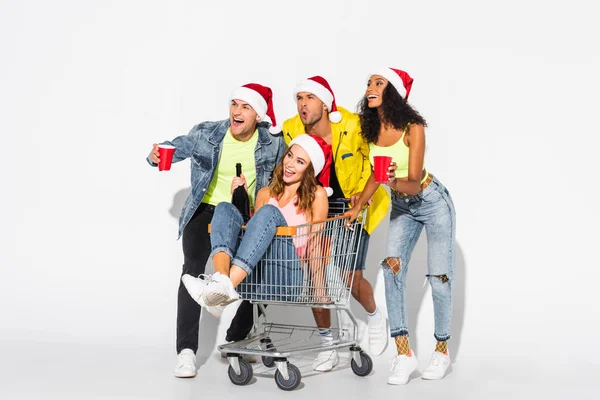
(401, 81)
(319, 152)
(319, 86)
(260, 99)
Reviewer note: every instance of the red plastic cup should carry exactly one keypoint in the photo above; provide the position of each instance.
(382, 163)
(165, 153)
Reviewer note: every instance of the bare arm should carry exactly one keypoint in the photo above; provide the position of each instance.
(320, 205)
(262, 198)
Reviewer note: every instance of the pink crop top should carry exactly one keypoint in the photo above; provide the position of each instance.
(293, 218)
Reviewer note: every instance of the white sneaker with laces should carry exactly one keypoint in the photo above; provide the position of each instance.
(378, 336)
(325, 361)
(402, 367)
(219, 291)
(186, 364)
(196, 286)
(437, 367)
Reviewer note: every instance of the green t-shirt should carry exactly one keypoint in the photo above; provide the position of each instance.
(233, 152)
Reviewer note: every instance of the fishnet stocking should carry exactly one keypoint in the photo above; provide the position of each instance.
(442, 347)
(402, 345)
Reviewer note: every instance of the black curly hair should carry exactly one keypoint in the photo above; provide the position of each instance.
(396, 112)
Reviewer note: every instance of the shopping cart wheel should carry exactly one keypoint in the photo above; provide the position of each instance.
(293, 380)
(366, 365)
(268, 362)
(245, 375)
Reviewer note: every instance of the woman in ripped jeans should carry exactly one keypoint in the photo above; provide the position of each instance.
(394, 129)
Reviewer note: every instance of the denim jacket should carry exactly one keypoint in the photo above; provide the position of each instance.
(203, 145)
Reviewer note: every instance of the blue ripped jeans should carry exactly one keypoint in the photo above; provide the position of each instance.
(276, 277)
(434, 210)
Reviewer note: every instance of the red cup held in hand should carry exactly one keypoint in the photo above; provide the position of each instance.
(165, 153)
(382, 163)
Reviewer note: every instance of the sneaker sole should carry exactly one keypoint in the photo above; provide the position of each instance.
(214, 311)
(217, 299)
(431, 378)
(185, 375)
(396, 383)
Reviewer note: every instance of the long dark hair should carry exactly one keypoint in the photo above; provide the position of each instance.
(306, 190)
(396, 112)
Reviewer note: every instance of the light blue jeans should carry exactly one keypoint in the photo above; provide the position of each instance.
(434, 210)
(272, 264)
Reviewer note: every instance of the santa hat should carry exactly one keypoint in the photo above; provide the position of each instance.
(261, 99)
(398, 78)
(319, 152)
(318, 86)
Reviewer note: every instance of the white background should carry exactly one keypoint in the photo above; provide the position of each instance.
(88, 249)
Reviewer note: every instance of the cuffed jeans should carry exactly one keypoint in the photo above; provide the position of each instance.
(278, 276)
(434, 210)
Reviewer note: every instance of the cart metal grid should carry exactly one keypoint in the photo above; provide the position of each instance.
(312, 266)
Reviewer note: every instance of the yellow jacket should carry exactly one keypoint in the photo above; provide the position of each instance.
(351, 158)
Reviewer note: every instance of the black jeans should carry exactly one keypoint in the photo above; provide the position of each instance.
(196, 250)
(242, 322)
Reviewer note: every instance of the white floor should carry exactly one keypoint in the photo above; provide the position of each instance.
(38, 370)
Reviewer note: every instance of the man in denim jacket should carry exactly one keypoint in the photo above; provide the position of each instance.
(214, 149)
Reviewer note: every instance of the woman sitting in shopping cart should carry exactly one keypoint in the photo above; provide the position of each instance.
(269, 266)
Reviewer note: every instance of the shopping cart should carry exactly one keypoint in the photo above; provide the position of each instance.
(315, 272)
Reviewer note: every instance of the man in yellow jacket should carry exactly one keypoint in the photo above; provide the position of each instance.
(318, 114)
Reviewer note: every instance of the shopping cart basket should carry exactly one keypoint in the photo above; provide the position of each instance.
(316, 271)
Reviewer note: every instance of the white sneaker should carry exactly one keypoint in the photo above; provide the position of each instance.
(378, 336)
(186, 364)
(402, 367)
(437, 367)
(219, 291)
(196, 286)
(216, 311)
(325, 361)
